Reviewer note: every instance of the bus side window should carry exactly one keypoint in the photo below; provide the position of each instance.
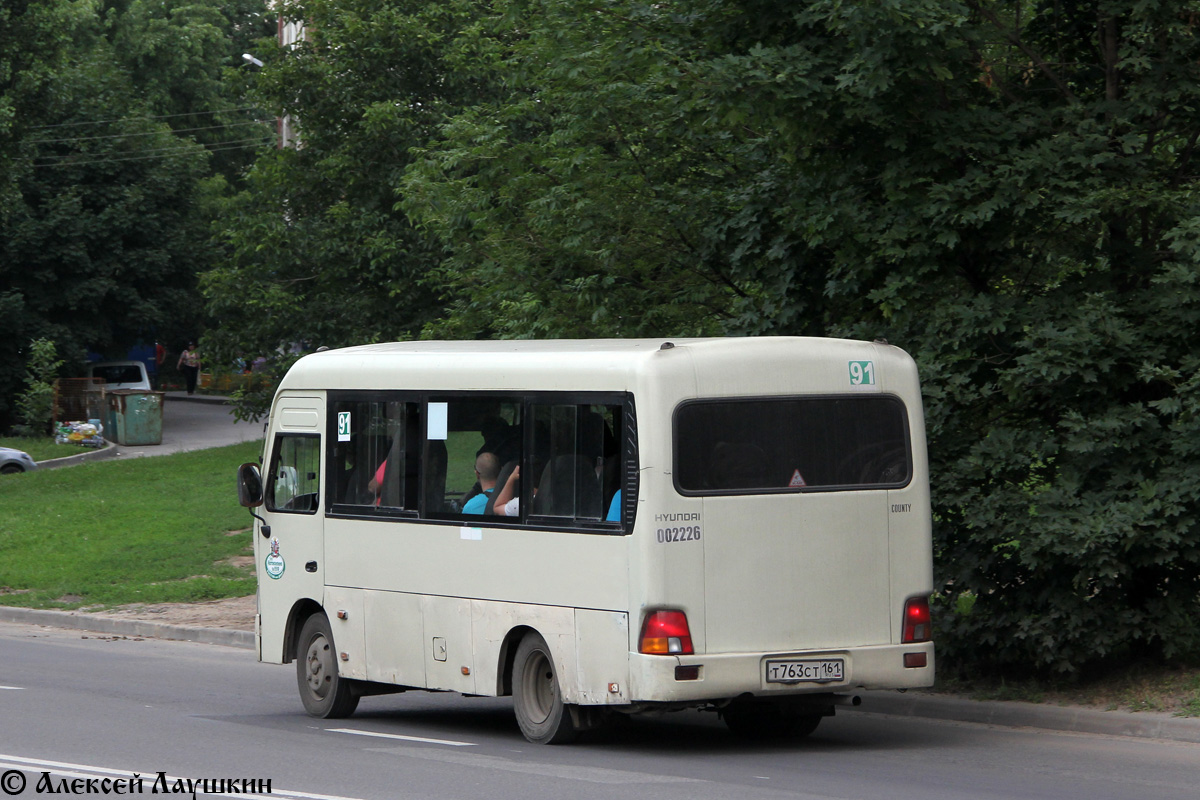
(375, 455)
(293, 483)
(576, 460)
(479, 432)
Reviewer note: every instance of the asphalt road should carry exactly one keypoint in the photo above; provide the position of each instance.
(80, 705)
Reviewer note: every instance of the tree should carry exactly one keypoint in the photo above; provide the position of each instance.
(104, 205)
(1004, 189)
(580, 199)
(316, 252)
(184, 57)
(33, 40)
(36, 404)
(102, 244)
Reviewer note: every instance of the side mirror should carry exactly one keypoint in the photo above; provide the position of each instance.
(249, 485)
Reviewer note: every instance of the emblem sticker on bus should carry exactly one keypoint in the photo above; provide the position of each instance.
(677, 528)
(273, 563)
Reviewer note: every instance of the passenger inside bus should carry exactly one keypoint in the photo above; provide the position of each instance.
(487, 468)
(502, 439)
(507, 500)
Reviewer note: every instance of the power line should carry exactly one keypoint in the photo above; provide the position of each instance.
(168, 148)
(146, 133)
(136, 119)
(163, 152)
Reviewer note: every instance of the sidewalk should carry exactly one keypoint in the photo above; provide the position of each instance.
(196, 398)
(190, 422)
(1069, 719)
(76, 620)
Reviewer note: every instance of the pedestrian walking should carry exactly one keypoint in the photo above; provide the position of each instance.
(189, 363)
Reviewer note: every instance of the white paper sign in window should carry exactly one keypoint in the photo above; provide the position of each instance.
(439, 421)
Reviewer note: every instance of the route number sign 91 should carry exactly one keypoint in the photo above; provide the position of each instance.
(862, 373)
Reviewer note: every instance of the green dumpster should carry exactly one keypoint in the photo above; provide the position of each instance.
(135, 417)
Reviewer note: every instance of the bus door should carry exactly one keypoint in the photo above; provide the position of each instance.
(289, 557)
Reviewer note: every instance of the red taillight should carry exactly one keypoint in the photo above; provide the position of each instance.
(666, 633)
(918, 625)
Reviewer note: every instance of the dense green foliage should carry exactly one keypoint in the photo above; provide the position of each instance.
(318, 254)
(150, 530)
(601, 193)
(1004, 189)
(120, 125)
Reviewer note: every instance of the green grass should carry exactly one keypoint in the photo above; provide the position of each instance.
(1138, 687)
(149, 530)
(41, 449)
(460, 462)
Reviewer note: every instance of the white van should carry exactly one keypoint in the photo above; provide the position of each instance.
(740, 525)
(120, 374)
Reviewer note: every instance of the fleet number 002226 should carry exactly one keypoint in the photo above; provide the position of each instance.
(684, 533)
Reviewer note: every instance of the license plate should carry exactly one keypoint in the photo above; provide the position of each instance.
(824, 670)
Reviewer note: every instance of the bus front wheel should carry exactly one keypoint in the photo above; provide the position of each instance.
(537, 697)
(325, 693)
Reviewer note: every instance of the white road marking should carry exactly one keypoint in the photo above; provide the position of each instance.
(447, 742)
(69, 770)
(14, 688)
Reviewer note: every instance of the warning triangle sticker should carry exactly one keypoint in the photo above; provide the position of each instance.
(797, 480)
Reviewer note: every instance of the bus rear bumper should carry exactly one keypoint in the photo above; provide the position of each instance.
(716, 677)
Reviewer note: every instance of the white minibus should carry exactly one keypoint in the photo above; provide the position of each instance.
(598, 527)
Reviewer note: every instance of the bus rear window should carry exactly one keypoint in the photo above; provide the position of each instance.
(791, 444)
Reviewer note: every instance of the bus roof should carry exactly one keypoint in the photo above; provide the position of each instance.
(583, 364)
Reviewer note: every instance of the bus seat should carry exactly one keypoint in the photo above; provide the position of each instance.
(569, 487)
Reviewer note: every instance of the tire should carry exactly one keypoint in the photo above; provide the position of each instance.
(325, 694)
(10, 469)
(537, 696)
(769, 721)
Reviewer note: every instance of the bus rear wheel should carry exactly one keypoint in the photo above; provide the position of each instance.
(325, 693)
(537, 697)
(769, 721)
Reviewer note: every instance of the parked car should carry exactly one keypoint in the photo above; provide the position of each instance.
(13, 461)
(120, 374)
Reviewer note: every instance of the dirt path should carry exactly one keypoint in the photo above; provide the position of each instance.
(236, 613)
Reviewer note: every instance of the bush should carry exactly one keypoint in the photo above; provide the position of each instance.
(36, 405)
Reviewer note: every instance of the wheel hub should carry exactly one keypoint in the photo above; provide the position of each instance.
(318, 668)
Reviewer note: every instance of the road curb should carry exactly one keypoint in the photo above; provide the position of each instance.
(127, 627)
(1012, 714)
(196, 398)
(108, 451)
